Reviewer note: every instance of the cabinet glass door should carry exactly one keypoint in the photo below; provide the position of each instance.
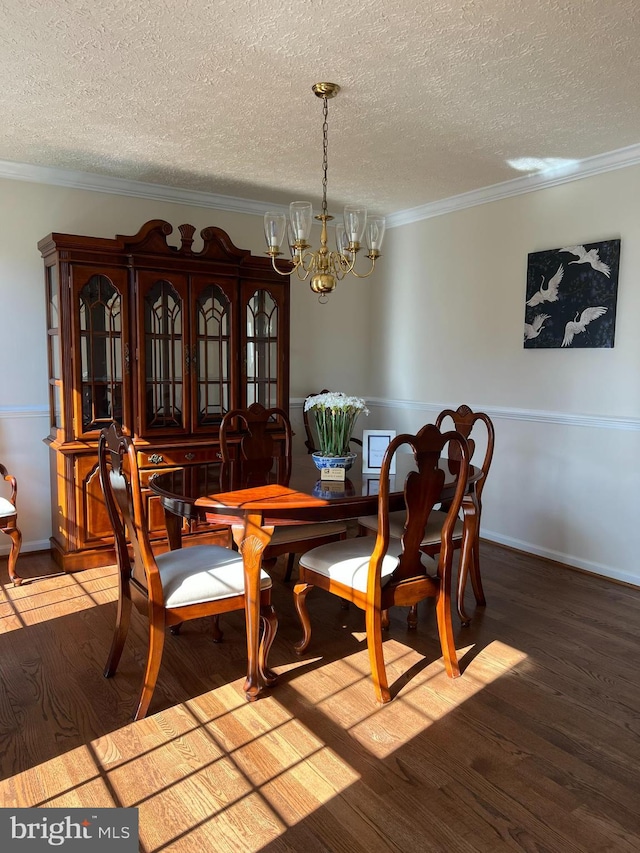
(102, 350)
(52, 281)
(213, 352)
(261, 349)
(164, 355)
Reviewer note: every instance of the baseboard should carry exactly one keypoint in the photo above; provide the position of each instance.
(569, 560)
(27, 547)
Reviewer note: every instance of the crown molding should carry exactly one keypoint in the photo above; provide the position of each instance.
(588, 167)
(620, 159)
(137, 189)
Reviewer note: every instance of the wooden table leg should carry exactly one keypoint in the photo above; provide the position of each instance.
(173, 524)
(252, 538)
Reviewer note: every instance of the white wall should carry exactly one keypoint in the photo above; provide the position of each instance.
(440, 323)
(324, 348)
(448, 320)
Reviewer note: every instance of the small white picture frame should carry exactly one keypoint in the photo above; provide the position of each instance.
(374, 445)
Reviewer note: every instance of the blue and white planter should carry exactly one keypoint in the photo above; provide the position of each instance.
(321, 461)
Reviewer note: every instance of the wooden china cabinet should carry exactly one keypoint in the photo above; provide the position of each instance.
(162, 339)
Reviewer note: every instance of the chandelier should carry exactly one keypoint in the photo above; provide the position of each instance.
(323, 267)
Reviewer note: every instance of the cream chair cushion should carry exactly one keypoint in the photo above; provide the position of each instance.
(396, 526)
(6, 508)
(202, 573)
(347, 561)
(300, 532)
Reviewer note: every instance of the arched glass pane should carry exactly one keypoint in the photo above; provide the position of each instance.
(262, 339)
(100, 313)
(213, 355)
(164, 356)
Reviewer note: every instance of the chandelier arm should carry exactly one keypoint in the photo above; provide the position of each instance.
(280, 272)
(303, 271)
(342, 264)
(367, 274)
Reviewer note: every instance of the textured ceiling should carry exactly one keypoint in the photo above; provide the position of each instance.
(438, 98)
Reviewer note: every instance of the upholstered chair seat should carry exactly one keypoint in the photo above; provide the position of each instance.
(397, 521)
(6, 508)
(347, 562)
(202, 573)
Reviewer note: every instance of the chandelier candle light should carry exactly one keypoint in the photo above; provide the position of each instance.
(325, 267)
(335, 416)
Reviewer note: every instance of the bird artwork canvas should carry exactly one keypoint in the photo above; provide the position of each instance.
(571, 296)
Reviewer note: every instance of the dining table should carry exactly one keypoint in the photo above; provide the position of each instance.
(252, 499)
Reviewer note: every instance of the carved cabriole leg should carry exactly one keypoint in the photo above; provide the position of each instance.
(251, 539)
(373, 618)
(300, 592)
(16, 542)
(469, 536)
(269, 628)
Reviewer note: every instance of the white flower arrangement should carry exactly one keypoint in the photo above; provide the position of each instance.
(335, 416)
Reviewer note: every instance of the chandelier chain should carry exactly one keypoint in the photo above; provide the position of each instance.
(325, 148)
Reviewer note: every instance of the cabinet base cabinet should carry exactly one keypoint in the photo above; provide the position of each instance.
(82, 537)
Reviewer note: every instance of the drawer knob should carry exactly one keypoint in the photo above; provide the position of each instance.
(156, 458)
(189, 456)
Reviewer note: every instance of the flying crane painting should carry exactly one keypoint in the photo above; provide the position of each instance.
(571, 296)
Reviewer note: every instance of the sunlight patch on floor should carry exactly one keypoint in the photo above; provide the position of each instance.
(430, 687)
(56, 596)
(246, 773)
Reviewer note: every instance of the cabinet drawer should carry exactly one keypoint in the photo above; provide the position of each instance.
(177, 456)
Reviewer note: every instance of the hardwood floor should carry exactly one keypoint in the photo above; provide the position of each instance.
(535, 748)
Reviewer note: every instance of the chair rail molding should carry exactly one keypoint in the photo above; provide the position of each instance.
(505, 413)
(19, 412)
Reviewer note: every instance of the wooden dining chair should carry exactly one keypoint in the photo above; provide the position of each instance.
(9, 524)
(264, 452)
(464, 420)
(170, 588)
(376, 574)
(311, 442)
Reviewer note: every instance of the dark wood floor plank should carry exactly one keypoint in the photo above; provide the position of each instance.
(534, 749)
